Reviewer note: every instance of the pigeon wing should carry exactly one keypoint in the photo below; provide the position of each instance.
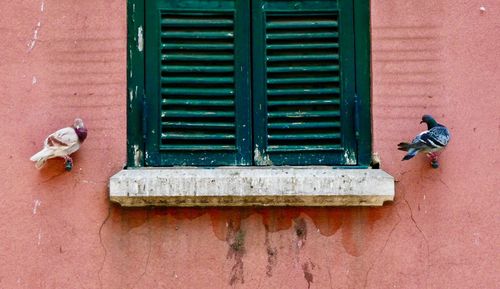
(435, 138)
(440, 135)
(65, 137)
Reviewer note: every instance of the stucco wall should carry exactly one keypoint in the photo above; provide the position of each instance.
(61, 59)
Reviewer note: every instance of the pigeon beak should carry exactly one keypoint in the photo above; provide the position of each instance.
(422, 121)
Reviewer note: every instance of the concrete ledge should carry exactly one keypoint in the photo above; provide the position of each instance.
(251, 186)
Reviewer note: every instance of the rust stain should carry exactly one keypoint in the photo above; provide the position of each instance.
(278, 219)
(356, 223)
(326, 220)
(132, 217)
(357, 228)
(222, 217)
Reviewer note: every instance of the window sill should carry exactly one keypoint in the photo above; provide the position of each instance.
(251, 186)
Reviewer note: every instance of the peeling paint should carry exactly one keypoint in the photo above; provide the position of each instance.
(261, 159)
(37, 204)
(350, 157)
(32, 43)
(140, 39)
(137, 155)
(39, 237)
(131, 96)
(34, 80)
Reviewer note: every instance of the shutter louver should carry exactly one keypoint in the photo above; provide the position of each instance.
(201, 53)
(303, 83)
(301, 91)
(197, 82)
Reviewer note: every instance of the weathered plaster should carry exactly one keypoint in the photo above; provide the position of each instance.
(439, 57)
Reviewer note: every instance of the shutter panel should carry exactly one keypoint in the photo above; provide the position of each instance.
(303, 82)
(197, 83)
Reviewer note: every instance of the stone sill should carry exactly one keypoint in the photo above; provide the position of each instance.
(251, 186)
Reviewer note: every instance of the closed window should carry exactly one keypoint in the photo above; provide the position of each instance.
(260, 82)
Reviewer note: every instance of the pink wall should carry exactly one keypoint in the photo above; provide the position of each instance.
(61, 59)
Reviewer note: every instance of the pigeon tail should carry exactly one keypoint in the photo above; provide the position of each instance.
(41, 157)
(403, 146)
(411, 153)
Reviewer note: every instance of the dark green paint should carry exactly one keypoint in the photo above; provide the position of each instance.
(198, 75)
(135, 85)
(363, 79)
(304, 82)
(195, 101)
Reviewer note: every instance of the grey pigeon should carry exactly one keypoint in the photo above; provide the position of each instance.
(61, 144)
(431, 141)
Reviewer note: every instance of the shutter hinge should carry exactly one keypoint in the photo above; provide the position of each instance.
(356, 116)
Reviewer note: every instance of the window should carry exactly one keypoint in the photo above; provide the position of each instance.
(248, 82)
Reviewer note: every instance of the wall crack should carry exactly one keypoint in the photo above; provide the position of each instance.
(148, 218)
(103, 247)
(423, 236)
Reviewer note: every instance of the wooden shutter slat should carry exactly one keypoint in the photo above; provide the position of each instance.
(302, 46)
(198, 91)
(304, 136)
(303, 91)
(193, 57)
(196, 113)
(302, 114)
(197, 69)
(301, 24)
(291, 36)
(295, 80)
(198, 35)
(194, 80)
(203, 125)
(197, 136)
(315, 68)
(304, 125)
(212, 147)
(198, 102)
(296, 148)
(189, 22)
(190, 46)
(310, 57)
(308, 102)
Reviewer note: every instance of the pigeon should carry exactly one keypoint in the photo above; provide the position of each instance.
(431, 141)
(61, 144)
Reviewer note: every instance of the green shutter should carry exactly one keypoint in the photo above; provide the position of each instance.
(197, 83)
(304, 82)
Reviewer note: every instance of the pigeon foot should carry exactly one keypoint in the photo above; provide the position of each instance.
(68, 164)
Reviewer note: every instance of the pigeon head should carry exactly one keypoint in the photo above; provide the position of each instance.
(80, 129)
(429, 120)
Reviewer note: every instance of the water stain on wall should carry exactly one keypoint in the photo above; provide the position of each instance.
(356, 224)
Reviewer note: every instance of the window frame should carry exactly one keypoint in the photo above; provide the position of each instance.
(137, 108)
